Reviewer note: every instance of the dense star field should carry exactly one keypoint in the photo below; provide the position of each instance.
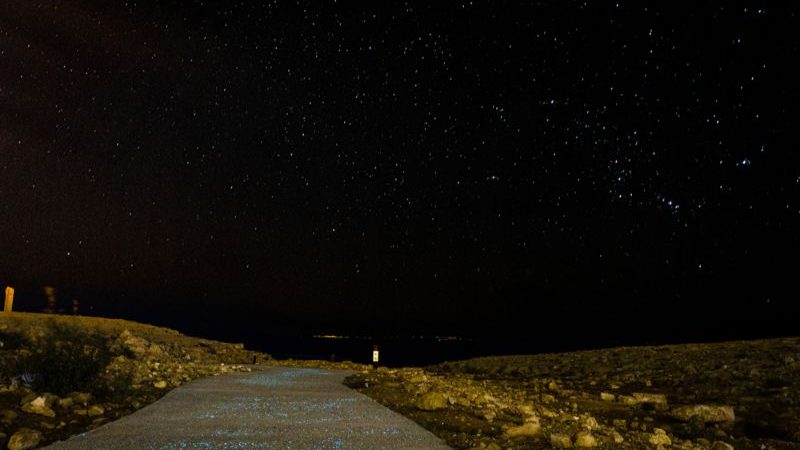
(605, 170)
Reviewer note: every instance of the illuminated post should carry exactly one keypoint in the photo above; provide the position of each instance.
(376, 355)
(9, 300)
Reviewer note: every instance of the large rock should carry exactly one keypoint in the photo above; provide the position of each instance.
(656, 401)
(584, 439)
(432, 401)
(659, 437)
(24, 439)
(558, 440)
(706, 413)
(96, 410)
(80, 398)
(528, 429)
(38, 406)
(137, 346)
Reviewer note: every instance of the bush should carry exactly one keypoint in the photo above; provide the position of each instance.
(65, 359)
(11, 341)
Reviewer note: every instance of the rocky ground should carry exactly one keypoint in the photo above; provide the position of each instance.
(140, 364)
(742, 395)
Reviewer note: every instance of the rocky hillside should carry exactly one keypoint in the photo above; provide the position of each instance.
(63, 375)
(742, 395)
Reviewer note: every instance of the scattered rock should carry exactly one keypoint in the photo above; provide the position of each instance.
(706, 413)
(659, 437)
(38, 406)
(96, 410)
(24, 439)
(137, 346)
(617, 437)
(585, 439)
(590, 423)
(161, 384)
(66, 402)
(81, 398)
(558, 440)
(417, 378)
(527, 429)
(608, 397)
(719, 445)
(432, 401)
(657, 401)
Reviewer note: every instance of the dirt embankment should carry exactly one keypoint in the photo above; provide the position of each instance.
(63, 375)
(743, 395)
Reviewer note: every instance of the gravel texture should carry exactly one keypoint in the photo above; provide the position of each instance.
(272, 408)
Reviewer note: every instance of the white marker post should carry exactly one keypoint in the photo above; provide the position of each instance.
(376, 355)
(9, 304)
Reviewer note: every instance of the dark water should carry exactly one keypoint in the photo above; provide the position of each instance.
(397, 351)
(283, 339)
(393, 351)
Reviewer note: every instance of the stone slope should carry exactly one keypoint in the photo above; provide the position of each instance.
(743, 395)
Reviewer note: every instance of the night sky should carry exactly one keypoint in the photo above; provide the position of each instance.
(625, 171)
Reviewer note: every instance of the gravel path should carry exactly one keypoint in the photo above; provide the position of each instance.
(272, 408)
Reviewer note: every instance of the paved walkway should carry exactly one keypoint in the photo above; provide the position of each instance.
(272, 408)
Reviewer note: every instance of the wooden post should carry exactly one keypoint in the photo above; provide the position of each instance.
(9, 300)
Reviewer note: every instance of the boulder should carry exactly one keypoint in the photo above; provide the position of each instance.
(24, 439)
(589, 423)
(585, 439)
(135, 345)
(80, 398)
(656, 401)
(659, 437)
(528, 429)
(161, 384)
(719, 445)
(558, 440)
(706, 413)
(38, 406)
(432, 401)
(607, 397)
(96, 410)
